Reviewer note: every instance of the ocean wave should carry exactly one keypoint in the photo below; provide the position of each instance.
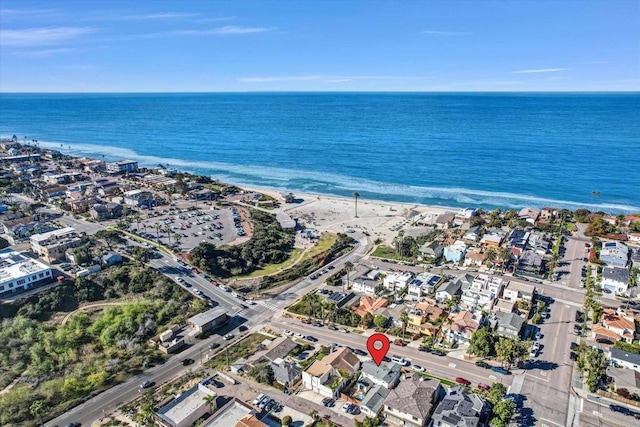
(333, 184)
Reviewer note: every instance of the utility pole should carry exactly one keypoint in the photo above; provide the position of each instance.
(226, 350)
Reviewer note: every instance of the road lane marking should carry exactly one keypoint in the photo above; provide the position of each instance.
(452, 365)
(555, 343)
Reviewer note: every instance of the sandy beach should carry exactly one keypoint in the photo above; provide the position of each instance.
(337, 214)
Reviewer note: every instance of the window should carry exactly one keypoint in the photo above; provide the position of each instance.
(21, 282)
(41, 275)
(34, 277)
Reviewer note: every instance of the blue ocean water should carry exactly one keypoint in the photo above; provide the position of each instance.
(489, 149)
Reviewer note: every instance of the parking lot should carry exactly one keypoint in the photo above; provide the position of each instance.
(185, 229)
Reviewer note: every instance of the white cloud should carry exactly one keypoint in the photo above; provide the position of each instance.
(44, 53)
(166, 15)
(232, 29)
(539, 70)
(445, 33)
(41, 36)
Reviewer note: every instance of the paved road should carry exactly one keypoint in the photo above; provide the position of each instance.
(444, 367)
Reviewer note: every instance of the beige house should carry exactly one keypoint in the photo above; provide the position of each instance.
(329, 375)
(52, 245)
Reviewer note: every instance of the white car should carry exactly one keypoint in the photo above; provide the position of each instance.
(287, 332)
(228, 336)
(535, 346)
(418, 368)
(538, 335)
(298, 335)
(258, 399)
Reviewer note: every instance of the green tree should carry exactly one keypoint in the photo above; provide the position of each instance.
(496, 393)
(210, 401)
(502, 413)
(380, 321)
(262, 373)
(510, 350)
(36, 409)
(348, 267)
(482, 343)
(111, 237)
(404, 318)
(286, 421)
(368, 422)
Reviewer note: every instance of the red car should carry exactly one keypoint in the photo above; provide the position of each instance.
(214, 283)
(461, 380)
(399, 343)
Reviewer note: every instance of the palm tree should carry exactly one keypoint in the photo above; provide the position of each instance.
(348, 267)
(168, 230)
(356, 195)
(157, 225)
(210, 401)
(404, 318)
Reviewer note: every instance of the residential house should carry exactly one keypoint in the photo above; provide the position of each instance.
(19, 229)
(328, 376)
(539, 243)
(463, 326)
(448, 290)
(431, 251)
(412, 402)
(464, 216)
(422, 285)
(19, 272)
(106, 187)
(424, 318)
(508, 325)
(635, 257)
(515, 291)
(187, 407)
(474, 259)
(369, 305)
(79, 203)
(386, 375)
(473, 234)
(373, 401)
(518, 238)
(615, 279)
(122, 166)
(530, 264)
(139, 198)
(493, 239)
(529, 214)
(455, 252)
(285, 221)
(101, 211)
(364, 285)
(444, 220)
(615, 326)
(396, 281)
(633, 238)
(614, 254)
(52, 245)
(53, 192)
(483, 291)
(626, 359)
(284, 372)
(459, 408)
(547, 215)
(279, 348)
(627, 377)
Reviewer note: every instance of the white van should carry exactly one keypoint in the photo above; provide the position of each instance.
(400, 360)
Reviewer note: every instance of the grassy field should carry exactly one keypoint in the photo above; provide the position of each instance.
(383, 251)
(325, 242)
(442, 380)
(243, 348)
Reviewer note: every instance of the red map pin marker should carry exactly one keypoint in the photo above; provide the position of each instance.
(378, 346)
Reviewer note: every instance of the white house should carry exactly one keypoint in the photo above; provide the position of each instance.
(482, 292)
(614, 254)
(364, 285)
(323, 376)
(386, 375)
(626, 359)
(19, 272)
(422, 285)
(447, 290)
(397, 281)
(529, 214)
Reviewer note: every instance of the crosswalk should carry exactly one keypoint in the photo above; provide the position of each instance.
(273, 306)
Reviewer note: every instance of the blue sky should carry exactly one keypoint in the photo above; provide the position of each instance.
(269, 45)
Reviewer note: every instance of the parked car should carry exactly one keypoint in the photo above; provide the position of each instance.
(263, 402)
(228, 336)
(258, 399)
(399, 343)
(618, 408)
(483, 364)
(359, 352)
(147, 384)
(187, 361)
(500, 370)
(312, 339)
(484, 387)
(461, 380)
(345, 407)
(299, 335)
(325, 401)
(287, 332)
(439, 353)
(242, 328)
(214, 345)
(425, 349)
(418, 368)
